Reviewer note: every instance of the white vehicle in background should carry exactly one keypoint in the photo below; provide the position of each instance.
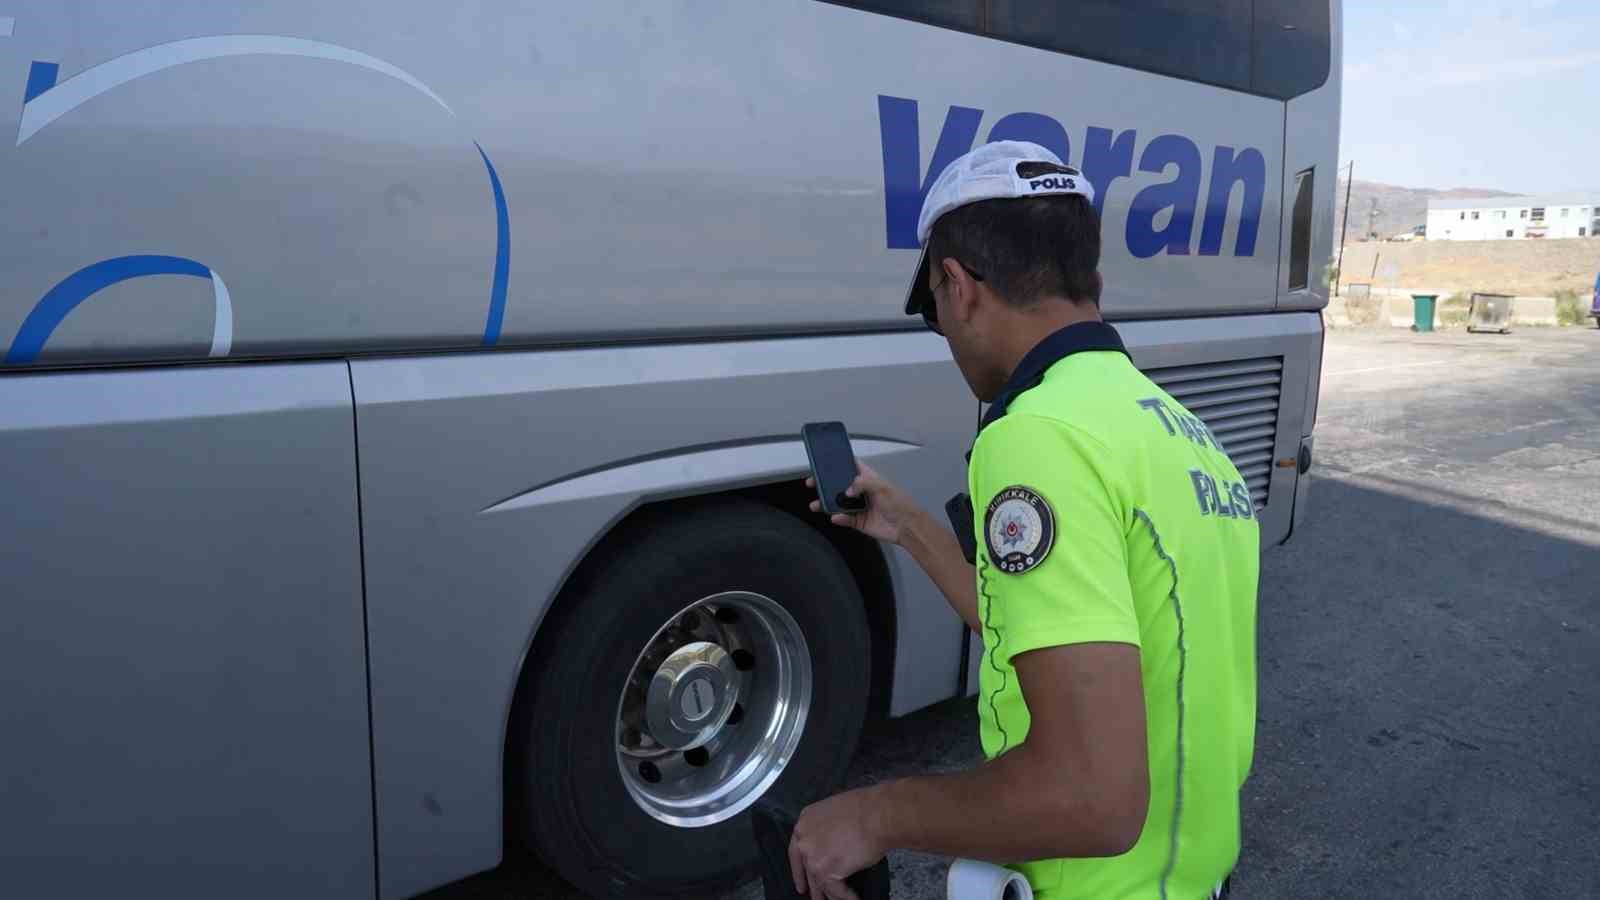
(400, 403)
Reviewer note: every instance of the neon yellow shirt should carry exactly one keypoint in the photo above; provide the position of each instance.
(1104, 511)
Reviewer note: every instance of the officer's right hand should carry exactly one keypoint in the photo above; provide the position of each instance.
(889, 509)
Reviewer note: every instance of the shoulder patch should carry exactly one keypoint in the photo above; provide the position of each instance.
(1019, 528)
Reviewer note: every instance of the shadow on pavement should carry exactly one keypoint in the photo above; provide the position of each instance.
(1429, 679)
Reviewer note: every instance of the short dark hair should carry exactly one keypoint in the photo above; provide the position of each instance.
(1025, 248)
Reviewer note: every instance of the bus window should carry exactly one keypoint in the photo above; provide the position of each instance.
(1291, 53)
(1277, 48)
(966, 15)
(1197, 40)
(1300, 230)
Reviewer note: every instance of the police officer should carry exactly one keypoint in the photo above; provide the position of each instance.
(1114, 586)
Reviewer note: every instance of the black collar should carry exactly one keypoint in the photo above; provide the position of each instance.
(1079, 338)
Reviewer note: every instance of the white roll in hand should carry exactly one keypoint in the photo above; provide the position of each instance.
(973, 880)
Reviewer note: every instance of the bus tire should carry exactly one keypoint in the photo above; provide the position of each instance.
(580, 792)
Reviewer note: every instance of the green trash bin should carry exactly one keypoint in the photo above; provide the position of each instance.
(1422, 311)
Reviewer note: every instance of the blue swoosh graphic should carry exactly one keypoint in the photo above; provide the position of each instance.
(41, 78)
(502, 255)
(45, 100)
(62, 299)
(59, 99)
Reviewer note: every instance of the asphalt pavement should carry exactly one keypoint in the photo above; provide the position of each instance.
(1429, 664)
(1429, 716)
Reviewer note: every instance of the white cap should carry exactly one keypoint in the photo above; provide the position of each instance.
(991, 172)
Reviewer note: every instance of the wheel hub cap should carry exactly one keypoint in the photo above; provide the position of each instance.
(713, 709)
(691, 696)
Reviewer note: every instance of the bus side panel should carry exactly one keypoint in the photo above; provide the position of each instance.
(185, 710)
(487, 477)
(300, 177)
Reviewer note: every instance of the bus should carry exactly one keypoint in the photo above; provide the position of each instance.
(400, 404)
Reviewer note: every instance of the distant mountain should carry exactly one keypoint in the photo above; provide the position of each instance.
(1398, 208)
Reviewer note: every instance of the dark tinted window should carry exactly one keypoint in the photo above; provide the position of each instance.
(1291, 47)
(1279, 48)
(1201, 40)
(1300, 231)
(966, 15)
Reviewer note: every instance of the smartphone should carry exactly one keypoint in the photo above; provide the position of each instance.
(833, 465)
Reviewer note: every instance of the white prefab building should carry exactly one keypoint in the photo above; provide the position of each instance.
(1503, 218)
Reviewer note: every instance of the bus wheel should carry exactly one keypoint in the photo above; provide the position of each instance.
(721, 656)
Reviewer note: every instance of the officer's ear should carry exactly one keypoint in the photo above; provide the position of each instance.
(963, 290)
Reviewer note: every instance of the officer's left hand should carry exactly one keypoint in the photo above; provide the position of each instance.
(834, 839)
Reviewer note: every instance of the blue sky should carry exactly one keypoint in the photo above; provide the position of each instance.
(1501, 94)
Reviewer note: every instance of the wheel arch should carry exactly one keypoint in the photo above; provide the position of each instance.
(862, 555)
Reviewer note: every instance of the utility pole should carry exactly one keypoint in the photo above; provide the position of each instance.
(1338, 268)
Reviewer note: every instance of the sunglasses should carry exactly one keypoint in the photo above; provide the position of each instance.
(930, 309)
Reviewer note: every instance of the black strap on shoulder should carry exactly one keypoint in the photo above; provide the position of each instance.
(959, 510)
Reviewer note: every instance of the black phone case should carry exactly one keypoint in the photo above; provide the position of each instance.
(773, 824)
(839, 503)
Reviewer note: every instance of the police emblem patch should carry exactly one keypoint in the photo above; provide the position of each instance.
(1020, 529)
